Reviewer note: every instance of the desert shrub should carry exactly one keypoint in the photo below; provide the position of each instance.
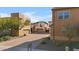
(4, 38)
(45, 40)
(1, 39)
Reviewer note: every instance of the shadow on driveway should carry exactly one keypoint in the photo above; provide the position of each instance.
(35, 46)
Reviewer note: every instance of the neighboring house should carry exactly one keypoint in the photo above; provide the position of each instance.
(60, 17)
(40, 27)
(50, 24)
(22, 29)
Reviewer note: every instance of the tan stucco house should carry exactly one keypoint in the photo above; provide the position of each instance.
(40, 27)
(60, 17)
(22, 29)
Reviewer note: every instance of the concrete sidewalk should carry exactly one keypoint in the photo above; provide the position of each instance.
(16, 42)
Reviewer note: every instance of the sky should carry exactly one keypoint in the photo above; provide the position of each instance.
(34, 13)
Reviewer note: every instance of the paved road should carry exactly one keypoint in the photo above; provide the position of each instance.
(21, 44)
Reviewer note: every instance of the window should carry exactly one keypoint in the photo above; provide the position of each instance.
(63, 15)
(66, 15)
(60, 15)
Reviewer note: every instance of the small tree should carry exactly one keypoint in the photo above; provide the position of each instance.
(14, 26)
(70, 32)
(27, 22)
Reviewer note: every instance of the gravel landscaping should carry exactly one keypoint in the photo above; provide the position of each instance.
(48, 45)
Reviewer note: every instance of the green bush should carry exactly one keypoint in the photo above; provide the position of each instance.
(27, 22)
(45, 41)
(1, 39)
(4, 38)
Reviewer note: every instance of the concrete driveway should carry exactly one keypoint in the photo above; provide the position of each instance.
(25, 46)
(21, 44)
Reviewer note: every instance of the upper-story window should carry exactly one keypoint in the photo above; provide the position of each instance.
(63, 15)
(66, 15)
(60, 15)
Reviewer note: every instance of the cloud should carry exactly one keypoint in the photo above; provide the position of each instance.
(34, 17)
(4, 15)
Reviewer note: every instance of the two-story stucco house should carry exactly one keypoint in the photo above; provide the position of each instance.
(60, 17)
(40, 27)
(23, 29)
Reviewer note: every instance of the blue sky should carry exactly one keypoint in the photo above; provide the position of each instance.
(35, 13)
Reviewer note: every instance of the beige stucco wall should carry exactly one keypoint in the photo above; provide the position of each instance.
(74, 18)
(58, 24)
(37, 28)
(22, 18)
(24, 30)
